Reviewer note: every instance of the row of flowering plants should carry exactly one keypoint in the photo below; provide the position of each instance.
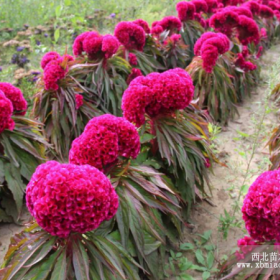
(22, 149)
(114, 196)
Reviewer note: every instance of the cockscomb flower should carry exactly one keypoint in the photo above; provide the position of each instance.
(6, 111)
(110, 45)
(156, 28)
(210, 46)
(67, 198)
(248, 31)
(78, 43)
(131, 35)
(241, 11)
(212, 5)
(54, 72)
(274, 6)
(200, 6)
(171, 23)
(266, 12)
(103, 140)
(261, 207)
(92, 44)
(243, 64)
(205, 36)
(50, 56)
(186, 10)
(143, 24)
(253, 6)
(132, 58)
(79, 101)
(157, 94)
(95, 45)
(15, 95)
(246, 245)
(224, 21)
(133, 75)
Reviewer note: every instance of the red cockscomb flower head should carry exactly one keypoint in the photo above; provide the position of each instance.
(133, 75)
(110, 45)
(143, 24)
(157, 94)
(261, 207)
(243, 64)
(67, 198)
(274, 6)
(78, 43)
(131, 35)
(103, 140)
(135, 100)
(49, 57)
(219, 40)
(205, 36)
(15, 95)
(266, 12)
(156, 29)
(253, 6)
(128, 137)
(132, 59)
(79, 101)
(246, 245)
(224, 21)
(54, 72)
(186, 10)
(171, 23)
(200, 6)
(212, 5)
(248, 31)
(175, 38)
(92, 44)
(241, 11)
(210, 46)
(6, 111)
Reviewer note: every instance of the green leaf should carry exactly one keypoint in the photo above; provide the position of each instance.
(146, 138)
(206, 275)
(80, 262)
(60, 268)
(199, 257)
(210, 259)
(56, 35)
(186, 246)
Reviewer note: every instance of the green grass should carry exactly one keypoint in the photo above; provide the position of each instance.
(16, 13)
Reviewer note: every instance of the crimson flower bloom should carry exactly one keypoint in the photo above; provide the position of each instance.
(157, 94)
(66, 198)
(131, 35)
(15, 95)
(6, 111)
(186, 10)
(261, 207)
(103, 140)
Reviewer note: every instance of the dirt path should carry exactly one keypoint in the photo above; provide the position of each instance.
(235, 144)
